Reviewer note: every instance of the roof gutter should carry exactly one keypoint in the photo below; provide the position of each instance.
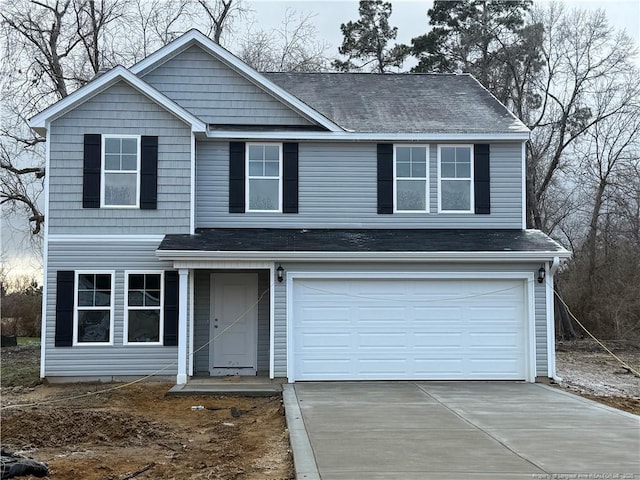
(200, 255)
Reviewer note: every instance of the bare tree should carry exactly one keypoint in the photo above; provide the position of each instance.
(220, 15)
(293, 47)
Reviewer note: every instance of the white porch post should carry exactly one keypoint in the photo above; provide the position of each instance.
(183, 274)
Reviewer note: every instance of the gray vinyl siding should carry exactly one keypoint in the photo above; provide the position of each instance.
(202, 308)
(217, 94)
(338, 189)
(280, 302)
(119, 110)
(111, 360)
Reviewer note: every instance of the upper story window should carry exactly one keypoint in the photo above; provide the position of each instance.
(120, 171)
(93, 314)
(263, 187)
(455, 174)
(411, 178)
(143, 313)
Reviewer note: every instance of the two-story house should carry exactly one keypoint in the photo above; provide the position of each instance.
(205, 219)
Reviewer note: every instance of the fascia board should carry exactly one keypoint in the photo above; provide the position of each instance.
(40, 122)
(362, 256)
(375, 137)
(196, 37)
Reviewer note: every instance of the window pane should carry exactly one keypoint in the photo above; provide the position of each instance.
(463, 170)
(103, 298)
(152, 298)
(136, 282)
(144, 326)
(403, 154)
(463, 154)
(86, 281)
(272, 169)
(419, 154)
(135, 298)
(120, 188)
(263, 194)
(112, 162)
(403, 169)
(456, 195)
(448, 170)
(272, 153)
(419, 170)
(129, 162)
(255, 169)
(130, 145)
(93, 326)
(447, 154)
(411, 195)
(103, 282)
(256, 152)
(85, 298)
(112, 145)
(153, 282)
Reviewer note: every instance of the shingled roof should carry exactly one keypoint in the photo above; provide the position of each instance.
(401, 103)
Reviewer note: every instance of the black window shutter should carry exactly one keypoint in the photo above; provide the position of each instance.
(91, 171)
(149, 173)
(385, 178)
(171, 301)
(64, 308)
(236, 177)
(481, 184)
(290, 180)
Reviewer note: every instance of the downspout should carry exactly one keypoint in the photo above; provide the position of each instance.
(551, 332)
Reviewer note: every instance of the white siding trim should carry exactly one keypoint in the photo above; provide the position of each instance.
(40, 122)
(192, 187)
(272, 323)
(45, 259)
(524, 185)
(282, 135)
(61, 238)
(181, 377)
(191, 322)
(529, 313)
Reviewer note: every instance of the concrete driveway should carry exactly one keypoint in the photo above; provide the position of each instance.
(456, 430)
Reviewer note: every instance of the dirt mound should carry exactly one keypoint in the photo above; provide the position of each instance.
(69, 426)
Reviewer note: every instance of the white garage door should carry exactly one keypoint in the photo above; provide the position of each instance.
(392, 329)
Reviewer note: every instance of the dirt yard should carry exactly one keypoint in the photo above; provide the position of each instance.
(586, 369)
(111, 436)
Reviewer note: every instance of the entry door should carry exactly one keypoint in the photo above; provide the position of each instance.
(234, 324)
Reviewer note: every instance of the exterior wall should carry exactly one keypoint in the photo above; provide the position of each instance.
(280, 303)
(216, 94)
(338, 189)
(111, 360)
(202, 318)
(119, 110)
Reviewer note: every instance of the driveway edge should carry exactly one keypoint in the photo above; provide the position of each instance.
(304, 460)
(588, 400)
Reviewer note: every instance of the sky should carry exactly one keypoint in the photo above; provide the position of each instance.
(408, 15)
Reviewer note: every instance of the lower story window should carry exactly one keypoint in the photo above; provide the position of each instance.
(144, 307)
(94, 308)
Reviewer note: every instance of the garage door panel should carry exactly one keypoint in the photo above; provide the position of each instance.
(379, 329)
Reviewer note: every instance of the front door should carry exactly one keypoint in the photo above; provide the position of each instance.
(234, 324)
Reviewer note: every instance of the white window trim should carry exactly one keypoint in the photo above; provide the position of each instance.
(247, 177)
(425, 178)
(102, 172)
(125, 335)
(471, 177)
(111, 307)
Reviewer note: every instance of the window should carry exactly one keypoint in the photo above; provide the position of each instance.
(455, 172)
(411, 178)
(93, 314)
(264, 167)
(143, 317)
(120, 170)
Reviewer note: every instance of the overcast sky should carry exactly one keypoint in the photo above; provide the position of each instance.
(408, 15)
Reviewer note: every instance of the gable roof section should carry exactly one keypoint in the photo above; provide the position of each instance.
(194, 37)
(403, 103)
(40, 122)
